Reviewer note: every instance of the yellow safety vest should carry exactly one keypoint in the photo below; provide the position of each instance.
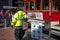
(17, 18)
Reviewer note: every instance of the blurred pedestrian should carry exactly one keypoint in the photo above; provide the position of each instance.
(1, 16)
(17, 20)
(6, 16)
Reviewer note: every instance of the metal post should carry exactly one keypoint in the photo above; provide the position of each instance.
(5, 23)
(50, 11)
(27, 30)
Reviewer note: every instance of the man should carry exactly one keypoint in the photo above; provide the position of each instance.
(17, 20)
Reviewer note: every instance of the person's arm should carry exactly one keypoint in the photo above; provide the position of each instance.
(14, 19)
(25, 17)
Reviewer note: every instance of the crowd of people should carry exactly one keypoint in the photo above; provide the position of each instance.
(6, 15)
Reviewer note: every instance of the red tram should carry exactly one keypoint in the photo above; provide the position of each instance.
(49, 9)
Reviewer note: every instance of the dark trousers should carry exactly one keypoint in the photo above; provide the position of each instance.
(19, 33)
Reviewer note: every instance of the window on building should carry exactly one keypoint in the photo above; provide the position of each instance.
(14, 3)
(38, 4)
(45, 4)
(31, 5)
(26, 6)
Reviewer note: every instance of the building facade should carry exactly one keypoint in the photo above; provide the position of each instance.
(13, 3)
(5, 3)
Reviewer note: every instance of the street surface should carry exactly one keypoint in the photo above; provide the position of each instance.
(28, 36)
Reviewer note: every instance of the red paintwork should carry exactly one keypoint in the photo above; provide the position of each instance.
(55, 16)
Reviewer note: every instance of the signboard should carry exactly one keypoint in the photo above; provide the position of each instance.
(11, 7)
(35, 15)
(36, 30)
(55, 16)
(39, 15)
(32, 15)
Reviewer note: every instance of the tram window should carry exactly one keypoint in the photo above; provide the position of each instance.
(26, 6)
(54, 7)
(45, 4)
(31, 5)
(38, 4)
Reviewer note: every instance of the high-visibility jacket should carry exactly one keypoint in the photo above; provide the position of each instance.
(17, 18)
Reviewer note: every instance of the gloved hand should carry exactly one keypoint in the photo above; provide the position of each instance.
(25, 19)
(11, 26)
